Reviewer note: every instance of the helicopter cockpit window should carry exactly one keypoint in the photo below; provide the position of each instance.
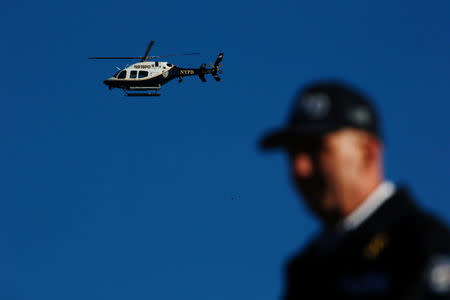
(133, 74)
(156, 63)
(169, 65)
(122, 75)
(143, 74)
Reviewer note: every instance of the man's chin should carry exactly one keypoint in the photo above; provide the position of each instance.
(329, 220)
(328, 216)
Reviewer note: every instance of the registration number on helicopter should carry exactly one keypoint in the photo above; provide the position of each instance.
(143, 67)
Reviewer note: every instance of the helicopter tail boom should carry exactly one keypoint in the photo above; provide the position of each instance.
(202, 73)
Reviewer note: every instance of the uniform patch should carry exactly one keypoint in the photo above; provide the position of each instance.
(439, 275)
(376, 246)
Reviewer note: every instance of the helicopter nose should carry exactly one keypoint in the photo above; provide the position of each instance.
(109, 83)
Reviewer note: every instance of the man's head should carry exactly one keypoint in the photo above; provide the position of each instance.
(334, 147)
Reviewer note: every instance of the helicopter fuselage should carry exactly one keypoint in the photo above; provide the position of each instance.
(151, 75)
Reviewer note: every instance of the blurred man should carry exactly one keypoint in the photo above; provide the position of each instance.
(375, 243)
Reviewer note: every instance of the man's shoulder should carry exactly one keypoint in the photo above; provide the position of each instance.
(423, 230)
(421, 243)
(419, 226)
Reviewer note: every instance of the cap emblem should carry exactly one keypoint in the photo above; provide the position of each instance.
(315, 105)
(360, 115)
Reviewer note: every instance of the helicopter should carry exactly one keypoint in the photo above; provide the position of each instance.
(148, 75)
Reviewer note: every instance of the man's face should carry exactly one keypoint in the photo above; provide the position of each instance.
(325, 169)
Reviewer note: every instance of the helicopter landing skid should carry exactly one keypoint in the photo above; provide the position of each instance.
(142, 94)
(152, 94)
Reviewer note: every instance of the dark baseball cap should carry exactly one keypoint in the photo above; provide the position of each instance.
(324, 107)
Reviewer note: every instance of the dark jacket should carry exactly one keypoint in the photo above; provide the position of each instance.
(399, 252)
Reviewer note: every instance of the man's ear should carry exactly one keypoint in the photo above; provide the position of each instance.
(303, 165)
(372, 148)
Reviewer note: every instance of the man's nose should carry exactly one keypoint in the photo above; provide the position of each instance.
(303, 165)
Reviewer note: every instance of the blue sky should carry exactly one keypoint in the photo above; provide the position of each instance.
(107, 197)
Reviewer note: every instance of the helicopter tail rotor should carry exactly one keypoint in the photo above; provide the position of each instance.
(218, 60)
(216, 67)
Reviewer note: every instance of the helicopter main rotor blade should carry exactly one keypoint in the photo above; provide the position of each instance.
(168, 55)
(148, 50)
(142, 58)
(117, 57)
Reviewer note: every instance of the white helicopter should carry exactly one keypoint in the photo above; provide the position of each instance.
(149, 75)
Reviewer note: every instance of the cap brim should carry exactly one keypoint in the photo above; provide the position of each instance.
(282, 138)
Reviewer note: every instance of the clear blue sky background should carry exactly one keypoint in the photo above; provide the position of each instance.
(107, 197)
